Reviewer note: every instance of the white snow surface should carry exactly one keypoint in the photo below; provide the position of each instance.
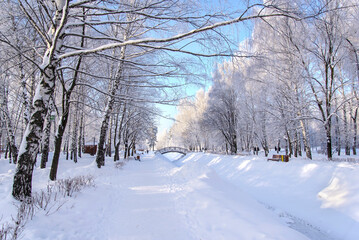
(198, 196)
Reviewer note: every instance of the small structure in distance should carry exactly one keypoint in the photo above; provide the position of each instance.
(172, 149)
(91, 149)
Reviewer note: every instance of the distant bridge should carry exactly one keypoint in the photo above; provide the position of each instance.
(172, 149)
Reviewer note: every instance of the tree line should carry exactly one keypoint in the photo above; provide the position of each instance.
(299, 89)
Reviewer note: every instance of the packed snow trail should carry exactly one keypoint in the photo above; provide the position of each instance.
(154, 200)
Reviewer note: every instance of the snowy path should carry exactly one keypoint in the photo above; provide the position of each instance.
(134, 203)
(153, 199)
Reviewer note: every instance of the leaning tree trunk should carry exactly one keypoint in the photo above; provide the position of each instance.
(100, 156)
(58, 142)
(66, 97)
(30, 145)
(22, 185)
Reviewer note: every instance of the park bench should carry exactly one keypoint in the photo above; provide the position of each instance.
(282, 158)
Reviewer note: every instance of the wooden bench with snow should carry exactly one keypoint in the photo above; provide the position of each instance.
(282, 158)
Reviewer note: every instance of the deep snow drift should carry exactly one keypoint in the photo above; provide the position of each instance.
(199, 196)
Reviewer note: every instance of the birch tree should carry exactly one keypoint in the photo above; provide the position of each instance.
(29, 146)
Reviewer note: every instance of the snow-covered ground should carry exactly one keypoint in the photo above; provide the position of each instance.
(318, 198)
(198, 196)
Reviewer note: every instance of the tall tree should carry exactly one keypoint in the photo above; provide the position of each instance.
(29, 147)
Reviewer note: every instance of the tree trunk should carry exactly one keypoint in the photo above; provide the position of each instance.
(100, 157)
(116, 157)
(30, 145)
(296, 144)
(289, 147)
(67, 146)
(286, 146)
(68, 140)
(126, 149)
(74, 134)
(12, 144)
(109, 140)
(346, 131)
(58, 142)
(8, 125)
(355, 129)
(278, 146)
(337, 136)
(7, 151)
(299, 142)
(329, 140)
(264, 133)
(80, 143)
(133, 147)
(116, 146)
(306, 142)
(233, 144)
(46, 141)
(66, 97)
(22, 185)
(119, 132)
(25, 98)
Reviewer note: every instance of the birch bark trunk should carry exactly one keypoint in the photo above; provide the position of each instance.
(22, 185)
(100, 156)
(46, 141)
(30, 144)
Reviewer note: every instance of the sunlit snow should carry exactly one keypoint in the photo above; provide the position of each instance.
(198, 196)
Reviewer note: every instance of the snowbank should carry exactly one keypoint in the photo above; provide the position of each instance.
(320, 194)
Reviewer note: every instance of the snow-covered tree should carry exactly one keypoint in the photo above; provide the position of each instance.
(188, 131)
